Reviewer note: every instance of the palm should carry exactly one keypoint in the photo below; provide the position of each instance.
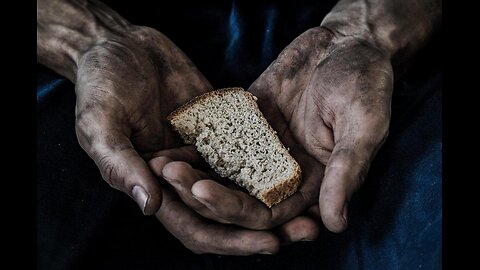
(125, 86)
(333, 95)
(329, 100)
(314, 97)
(134, 85)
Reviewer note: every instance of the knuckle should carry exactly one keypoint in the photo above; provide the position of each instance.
(177, 167)
(198, 237)
(86, 117)
(363, 164)
(83, 123)
(236, 215)
(87, 126)
(362, 174)
(348, 158)
(109, 171)
(196, 242)
(267, 221)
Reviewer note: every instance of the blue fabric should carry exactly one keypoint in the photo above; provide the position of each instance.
(397, 223)
(395, 219)
(47, 83)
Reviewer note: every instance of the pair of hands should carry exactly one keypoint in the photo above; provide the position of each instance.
(327, 95)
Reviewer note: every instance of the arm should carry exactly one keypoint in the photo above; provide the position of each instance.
(67, 29)
(95, 48)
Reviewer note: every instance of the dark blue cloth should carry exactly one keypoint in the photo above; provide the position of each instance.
(395, 218)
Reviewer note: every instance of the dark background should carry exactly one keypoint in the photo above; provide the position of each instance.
(84, 224)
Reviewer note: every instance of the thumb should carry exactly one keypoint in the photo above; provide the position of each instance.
(345, 172)
(122, 167)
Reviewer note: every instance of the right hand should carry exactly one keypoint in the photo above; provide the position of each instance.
(202, 234)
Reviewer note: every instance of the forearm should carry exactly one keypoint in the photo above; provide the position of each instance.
(399, 28)
(66, 29)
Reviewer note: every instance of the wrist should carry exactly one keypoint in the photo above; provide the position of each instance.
(66, 30)
(344, 30)
(398, 28)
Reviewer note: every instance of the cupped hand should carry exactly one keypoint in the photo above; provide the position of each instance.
(126, 84)
(328, 96)
(220, 200)
(202, 235)
(333, 92)
(189, 221)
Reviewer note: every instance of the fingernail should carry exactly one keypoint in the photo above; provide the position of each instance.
(203, 201)
(140, 196)
(307, 240)
(176, 184)
(266, 253)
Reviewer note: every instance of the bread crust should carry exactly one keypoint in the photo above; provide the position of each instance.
(202, 98)
(281, 190)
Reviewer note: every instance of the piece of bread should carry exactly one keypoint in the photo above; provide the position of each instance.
(232, 135)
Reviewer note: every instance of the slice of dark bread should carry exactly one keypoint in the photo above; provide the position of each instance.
(230, 132)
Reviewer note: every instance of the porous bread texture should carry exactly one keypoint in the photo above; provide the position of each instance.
(232, 135)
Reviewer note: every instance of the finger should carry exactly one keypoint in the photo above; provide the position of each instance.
(307, 194)
(300, 228)
(228, 205)
(213, 200)
(207, 237)
(187, 154)
(181, 176)
(120, 165)
(239, 208)
(346, 171)
(157, 164)
(234, 206)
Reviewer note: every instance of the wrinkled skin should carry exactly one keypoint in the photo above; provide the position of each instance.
(328, 96)
(126, 86)
(334, 94)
